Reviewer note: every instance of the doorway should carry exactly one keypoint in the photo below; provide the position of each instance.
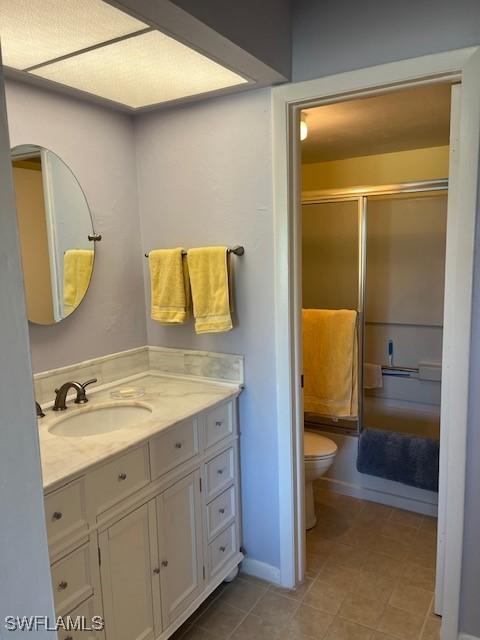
(373, 241)
(287, 103)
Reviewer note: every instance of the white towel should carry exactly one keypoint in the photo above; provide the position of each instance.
(372, 376)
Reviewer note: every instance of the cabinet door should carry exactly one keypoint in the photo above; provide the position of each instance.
(180, 545)
(130, 587)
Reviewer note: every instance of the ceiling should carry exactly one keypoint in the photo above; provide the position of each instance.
(94, 47)
(400, 120)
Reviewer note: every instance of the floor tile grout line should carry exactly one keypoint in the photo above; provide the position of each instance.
(206, 609)
(224, 586)
(426, 617)
(316, 576)
(250, 612)
(246, 613)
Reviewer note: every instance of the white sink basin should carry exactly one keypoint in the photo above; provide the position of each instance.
(104, 418)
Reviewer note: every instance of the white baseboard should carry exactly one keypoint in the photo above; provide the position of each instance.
(383, 497)
(261, 570)
(465, 636)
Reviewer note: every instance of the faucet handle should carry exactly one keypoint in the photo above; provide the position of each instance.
(39, 410)
(85, 384)
(81, 395)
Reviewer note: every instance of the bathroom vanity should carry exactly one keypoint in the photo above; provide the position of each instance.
(143, 521)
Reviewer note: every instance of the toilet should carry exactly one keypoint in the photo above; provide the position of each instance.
(319, 454)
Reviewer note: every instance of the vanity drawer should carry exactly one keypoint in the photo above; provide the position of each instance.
(219, 424)
(119, 478)
(85, 611)
(219, 472)
(71, 580)
(65, 513)
(221, 549)
(175, 446)
(220, 512)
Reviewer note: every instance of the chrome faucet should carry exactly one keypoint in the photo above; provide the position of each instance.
(61, 394)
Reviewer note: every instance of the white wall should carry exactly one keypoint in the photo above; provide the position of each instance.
(25, 586)
(98, 146)
(205, 177)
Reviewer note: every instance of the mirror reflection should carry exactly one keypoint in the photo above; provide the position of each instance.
(56, 234)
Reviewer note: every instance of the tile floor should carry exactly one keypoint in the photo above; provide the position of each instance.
(370, 576)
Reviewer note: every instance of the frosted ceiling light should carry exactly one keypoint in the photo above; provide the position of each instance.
(142, 70)
(36, 31)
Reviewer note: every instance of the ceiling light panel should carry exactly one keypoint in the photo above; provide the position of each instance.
(143, 70)
(36, 31)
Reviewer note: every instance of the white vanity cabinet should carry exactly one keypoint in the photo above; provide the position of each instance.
(143, 538)
(128, 557)
(180, 543)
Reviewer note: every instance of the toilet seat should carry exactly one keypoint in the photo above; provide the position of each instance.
(317, 447)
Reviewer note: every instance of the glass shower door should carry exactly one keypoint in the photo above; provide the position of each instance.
(331, 268)
(405, 279)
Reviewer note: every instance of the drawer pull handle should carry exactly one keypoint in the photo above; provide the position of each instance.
(57, 515)
(218, 423)
(223, 549)
(69, 638)
(63, 585)
(164, 563)
(156, 571)
(122, 476)
(222, 511)
(220, 471)
(178, 445)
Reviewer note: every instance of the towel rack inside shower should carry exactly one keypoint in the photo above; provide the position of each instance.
(238, 250)
(399, 372)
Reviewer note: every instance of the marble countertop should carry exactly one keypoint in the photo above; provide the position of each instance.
(171, 399)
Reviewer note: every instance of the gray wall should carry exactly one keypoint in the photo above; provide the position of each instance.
(98, 146)
(205, 177)
(330, 36)
(25, 586)
(261, 28)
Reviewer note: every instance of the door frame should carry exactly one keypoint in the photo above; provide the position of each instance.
(287, 101)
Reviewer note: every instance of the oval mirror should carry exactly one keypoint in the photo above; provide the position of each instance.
(56, 234)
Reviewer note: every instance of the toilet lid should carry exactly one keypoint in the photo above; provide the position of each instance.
(317, 446)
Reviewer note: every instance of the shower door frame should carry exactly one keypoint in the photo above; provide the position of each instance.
(348, 195)
(360, 195)
(456, 66)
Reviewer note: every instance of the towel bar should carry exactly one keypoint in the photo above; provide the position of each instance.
(238, 250)
(399, 372)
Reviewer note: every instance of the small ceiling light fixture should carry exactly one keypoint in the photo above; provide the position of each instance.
(303, 128)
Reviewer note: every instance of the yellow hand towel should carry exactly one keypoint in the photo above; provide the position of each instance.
(208, 269)
(330, 362)
(170, 287)
(77, 271)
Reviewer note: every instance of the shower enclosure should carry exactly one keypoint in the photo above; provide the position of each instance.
(381, 251)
